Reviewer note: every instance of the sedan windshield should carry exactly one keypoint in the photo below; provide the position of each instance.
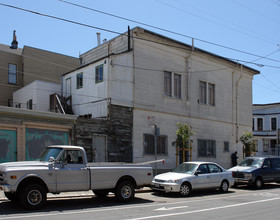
(49, 152)
(251, 162)
(188, 168)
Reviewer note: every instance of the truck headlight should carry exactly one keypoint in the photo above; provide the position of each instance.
(248, 175)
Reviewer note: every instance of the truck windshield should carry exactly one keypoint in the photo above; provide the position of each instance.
(251, 162)
(188, 168)
(49, 152)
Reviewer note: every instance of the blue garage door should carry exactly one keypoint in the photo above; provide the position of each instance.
(38, 139)
(8, 146)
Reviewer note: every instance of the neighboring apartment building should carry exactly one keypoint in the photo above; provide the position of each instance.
(266, 127)
(19, 67)
(155, 77)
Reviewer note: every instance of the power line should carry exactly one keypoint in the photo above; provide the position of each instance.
(165, 30)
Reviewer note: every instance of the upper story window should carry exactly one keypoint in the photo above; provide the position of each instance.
(273, 124)
(172, 84)
(12, 71)
(79, 80)
(202, 92)
(260, 124)
(206, 93)
(99, 74)
(167, 83)
(177, 86)
(29, 104)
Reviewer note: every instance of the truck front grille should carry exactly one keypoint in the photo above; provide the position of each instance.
(237, 175)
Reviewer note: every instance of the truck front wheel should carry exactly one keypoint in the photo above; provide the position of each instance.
(33, 196)
(125, 191)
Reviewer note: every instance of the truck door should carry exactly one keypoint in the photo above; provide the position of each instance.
(267, 171)
(71, 172)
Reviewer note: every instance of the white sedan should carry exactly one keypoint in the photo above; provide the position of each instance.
(190, 176)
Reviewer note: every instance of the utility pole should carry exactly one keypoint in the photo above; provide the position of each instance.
(156, 134)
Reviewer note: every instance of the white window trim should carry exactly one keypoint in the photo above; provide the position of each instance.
(271, 123)
(207, 93)
(173, 86)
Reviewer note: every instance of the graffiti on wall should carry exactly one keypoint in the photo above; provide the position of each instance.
(38, 139)
(8, 146)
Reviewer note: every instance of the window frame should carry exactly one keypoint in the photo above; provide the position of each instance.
(271, 124)
(207, 144)
(99, 77)
(168, 83)
(211, 94)
(149, 147)
(177, 86)
(260, 128)
(202, 92)
(79, 80)
(12, 74)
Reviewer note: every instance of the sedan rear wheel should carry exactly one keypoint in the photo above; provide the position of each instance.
(224, 186)
(185, 189)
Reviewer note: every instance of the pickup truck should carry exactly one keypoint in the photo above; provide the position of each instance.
(65, 169)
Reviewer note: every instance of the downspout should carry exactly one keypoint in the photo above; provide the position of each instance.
(237, 104)
(189, 78)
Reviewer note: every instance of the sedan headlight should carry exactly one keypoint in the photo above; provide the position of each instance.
(173, 181)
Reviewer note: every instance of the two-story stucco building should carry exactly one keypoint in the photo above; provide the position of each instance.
(158, 78)
(266, 127)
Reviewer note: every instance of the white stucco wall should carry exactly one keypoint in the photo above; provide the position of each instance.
(39, 92)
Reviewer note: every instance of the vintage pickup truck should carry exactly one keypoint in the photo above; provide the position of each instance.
(65, 169)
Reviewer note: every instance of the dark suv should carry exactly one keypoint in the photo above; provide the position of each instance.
(257, 171)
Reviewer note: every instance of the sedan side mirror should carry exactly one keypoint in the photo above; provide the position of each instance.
(51, 159)
(197, 172)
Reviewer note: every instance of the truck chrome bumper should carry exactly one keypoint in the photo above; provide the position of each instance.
(7, 188)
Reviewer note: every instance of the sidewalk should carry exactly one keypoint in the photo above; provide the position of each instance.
(75, 194)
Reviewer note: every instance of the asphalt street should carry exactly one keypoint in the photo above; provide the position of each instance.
(240, 203)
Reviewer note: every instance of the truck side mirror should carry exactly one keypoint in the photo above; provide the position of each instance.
(51, 159)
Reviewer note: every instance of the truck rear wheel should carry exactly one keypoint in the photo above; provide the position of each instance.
(125, 191)
(33, 196)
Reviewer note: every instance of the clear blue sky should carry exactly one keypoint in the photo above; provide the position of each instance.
(251, 26)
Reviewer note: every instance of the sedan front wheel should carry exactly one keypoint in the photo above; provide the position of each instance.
(185, 189)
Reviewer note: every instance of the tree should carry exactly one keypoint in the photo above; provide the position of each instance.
(182, 141)
(248, 142)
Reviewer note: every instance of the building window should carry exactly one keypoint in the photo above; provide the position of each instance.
(226, 146)
(99, 74)
(79, 80)
(10, 103)
(206, 148)
(253, 125)
(177, 86)
(29, 104)
(211, 94)
(273, 124)
(149, 144)
(260, 124)
(206, 93)
(18, 105)
(202, 92)
(167, 83)
(12, 71)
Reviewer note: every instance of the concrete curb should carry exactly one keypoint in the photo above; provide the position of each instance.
(75, 194)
